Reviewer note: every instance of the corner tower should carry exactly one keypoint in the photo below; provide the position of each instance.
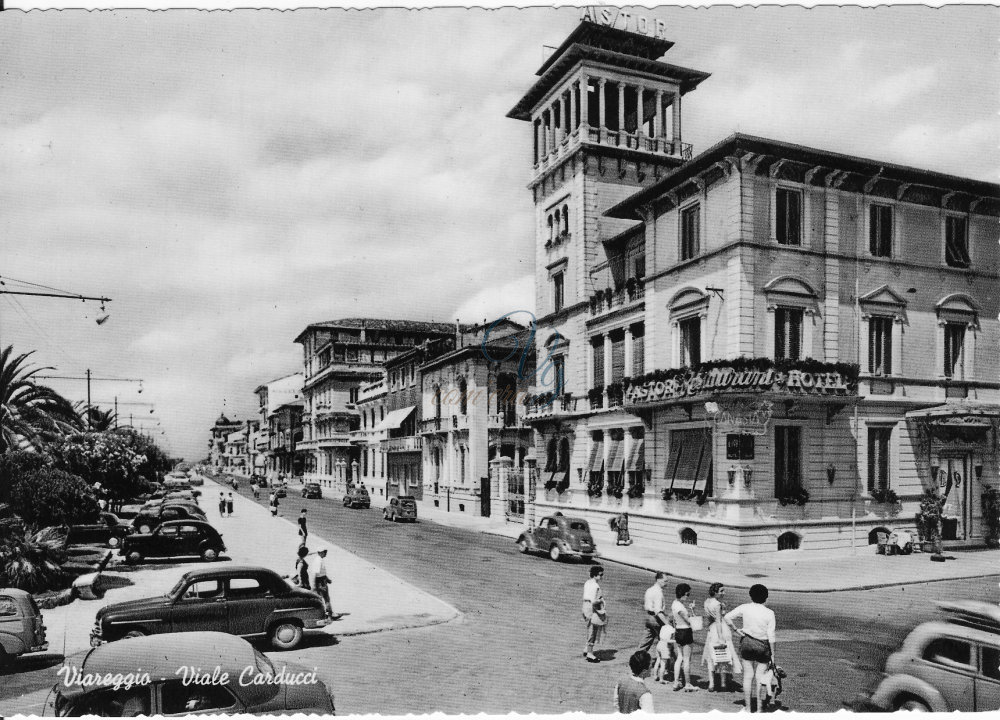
(605, 115)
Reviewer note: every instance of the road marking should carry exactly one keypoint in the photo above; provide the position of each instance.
(811, 635)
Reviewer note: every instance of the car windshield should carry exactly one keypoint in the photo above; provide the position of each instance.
(577, 526)
(263, 664)
(178, 587)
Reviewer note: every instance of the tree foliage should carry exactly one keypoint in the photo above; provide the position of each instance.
(30, 559)
(31, 414)
(47, 497)
(104, 457)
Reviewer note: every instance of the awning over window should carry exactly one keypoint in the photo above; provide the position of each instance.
(395, 418)
(616, 457)
(596, 463)
(956, 411)
(558, 477)
(636, 458)
(689, 460)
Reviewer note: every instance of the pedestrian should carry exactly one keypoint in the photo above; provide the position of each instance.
(229, 505)
(303, 530)
(756, 640)
(719, 653)
(236, 484)
(655, 617)
(594, 612)
(663, 668)
(222, 504)
(322, 581)
(631, 693)
(620, 526)
(273, 502)
(256, 491)
(683, 636)
(302, 568)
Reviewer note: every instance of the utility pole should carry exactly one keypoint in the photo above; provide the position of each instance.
(88, 398)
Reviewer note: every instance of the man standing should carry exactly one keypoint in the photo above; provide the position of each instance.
(655, 617)
(303, 530)
(222, 504)
(593, 611)
(322, 584)
(273, 502)
(631, 693)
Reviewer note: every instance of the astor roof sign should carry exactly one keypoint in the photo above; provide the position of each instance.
(622, 19)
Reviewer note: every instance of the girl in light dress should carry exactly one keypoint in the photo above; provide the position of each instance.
(661, 667)
(719, 635)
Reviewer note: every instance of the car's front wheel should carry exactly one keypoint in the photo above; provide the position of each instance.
(133, 558)
(114, 541)
(145, 529)
(286, 635)
(209, 554)
(134, 633)
(912, 704)
(522, 545)
(555, 553)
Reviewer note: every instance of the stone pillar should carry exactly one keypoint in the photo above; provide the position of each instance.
(658, 123)
(557, 130)
(677, 120)
(628, 351)
(530, 471)
(603, 105)
(607, 360)
(621, 110)
(639, 115)
(584, 102)
(574, 106)
(545, 134)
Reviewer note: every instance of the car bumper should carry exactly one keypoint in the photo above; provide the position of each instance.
(39, 648)
(318, 623)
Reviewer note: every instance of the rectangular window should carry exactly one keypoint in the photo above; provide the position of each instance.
(559, 368)
(558, 296)
(954, 350)
(640, 267)
(880, 230)
(617, 356)
(788, 216)
(787, 461)
(956, 242)
(690, 231)
(880, 345)
(598, 349)
(878, 458)
(461, 466)
(638, 350)
(690, 341)
(788, 333)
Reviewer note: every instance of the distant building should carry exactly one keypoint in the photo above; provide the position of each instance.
(217, 444)
(276, 443)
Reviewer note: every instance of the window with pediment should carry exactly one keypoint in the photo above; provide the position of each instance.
(792, 305)
(958, 320)
(883, 311)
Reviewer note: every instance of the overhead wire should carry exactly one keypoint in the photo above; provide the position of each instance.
(31, 321)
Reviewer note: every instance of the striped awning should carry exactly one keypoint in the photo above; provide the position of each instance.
(616, 457)
(596, 462)
(636, 457)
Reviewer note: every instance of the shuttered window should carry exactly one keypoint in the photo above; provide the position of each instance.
(689, 460)
(638, 350)
(878, 458)
(880, 345)
(956, 248)
(954, 346)
(690, 231)
(598, 349)
(787, 461)
(880, 230)
(690, 341)
(788, 217)
(788, 333)
(617, 356)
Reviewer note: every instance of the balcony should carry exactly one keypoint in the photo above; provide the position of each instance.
(433, 425)
(605, 301)
(505, 419)
(637, 141)
(543, 405)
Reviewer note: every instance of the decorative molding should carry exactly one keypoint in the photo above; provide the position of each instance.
(699, 182)
(870, 185)
(775, 170)
(749, 162)
(975, 203)
(812, 172)
(901, 190)
(946, 198)
(840, 179)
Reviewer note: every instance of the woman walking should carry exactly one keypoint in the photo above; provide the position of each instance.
(594, 613)
(302, 568)
(719, 653)
(756, 643)
(683, 636)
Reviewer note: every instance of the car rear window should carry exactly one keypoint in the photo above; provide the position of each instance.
(949, 651)
(7, 606)
(578, 526)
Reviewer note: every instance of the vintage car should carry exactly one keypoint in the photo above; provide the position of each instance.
(399, 508)
(559, 536)
(174, 538)
(280, 489)
(357, 497)
(238, 679)
(312, 491)
(945, 665)
(21, 627)
(180, 482)
(149, 517)
(239, 600)
(107, 530)
(194, 479)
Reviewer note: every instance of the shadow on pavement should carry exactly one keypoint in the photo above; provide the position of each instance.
(30, 663)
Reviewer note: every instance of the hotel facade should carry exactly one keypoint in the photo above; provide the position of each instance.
(758, 349)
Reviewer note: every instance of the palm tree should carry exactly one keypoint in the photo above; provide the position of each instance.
(30, 414)
(94, 419)
(30, 558)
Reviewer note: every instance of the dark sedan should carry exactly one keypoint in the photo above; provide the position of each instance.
(559, 536)
(240, 600)
(175, 538)
(245, 682)
(151, 516)
(312, 491)
(108, 530)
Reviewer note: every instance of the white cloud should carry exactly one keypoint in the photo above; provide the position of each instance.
(492, 302)
(894, 89)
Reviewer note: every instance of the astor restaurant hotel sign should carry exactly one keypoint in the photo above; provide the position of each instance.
(728, 380)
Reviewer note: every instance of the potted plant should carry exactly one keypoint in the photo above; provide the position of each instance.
(885, 495)
(596, 398)
(595, 486)
(991, 515)
(630, 288)
(931, 505)
(667, 493)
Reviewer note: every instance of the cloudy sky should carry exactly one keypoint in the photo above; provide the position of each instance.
(228, 178)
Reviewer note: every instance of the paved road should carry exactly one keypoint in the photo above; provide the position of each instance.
(520, 645)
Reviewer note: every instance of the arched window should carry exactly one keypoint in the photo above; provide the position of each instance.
(463, 399)
(551, 229)
(563, 455)
(873, 535)
(689, 537)
(789, 541)
(565, 220)
(551, 458)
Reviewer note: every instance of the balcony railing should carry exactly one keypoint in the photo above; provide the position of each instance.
(604, 301)
(640, 141)
(434, 424)
(505, 419)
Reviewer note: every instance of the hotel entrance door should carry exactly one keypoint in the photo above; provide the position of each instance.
(954, 483)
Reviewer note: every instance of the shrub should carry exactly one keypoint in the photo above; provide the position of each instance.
(45, 498)
(30, 560)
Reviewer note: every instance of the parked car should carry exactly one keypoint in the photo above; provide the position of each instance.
(399, 508)
(243, 680)
(108, 530)
(312, 491)
(21, 627)
(194, 479)
(559, 536)
(174, 538)
(177, 483)
(945, 665)
(280, 490)
(358, 497)
(240, 600)
(149, 517)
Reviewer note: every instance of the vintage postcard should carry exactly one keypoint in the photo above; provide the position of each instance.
(556, 359)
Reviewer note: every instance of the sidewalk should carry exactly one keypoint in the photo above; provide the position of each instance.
(374, 599)
(860, 571)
